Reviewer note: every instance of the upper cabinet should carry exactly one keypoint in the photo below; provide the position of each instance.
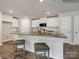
(52, 22)
(35, 23)
(8, 18)
(43, 20)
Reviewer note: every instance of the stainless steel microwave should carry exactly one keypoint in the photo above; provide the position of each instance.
(43, 25)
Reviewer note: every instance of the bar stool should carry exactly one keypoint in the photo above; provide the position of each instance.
(41, 47)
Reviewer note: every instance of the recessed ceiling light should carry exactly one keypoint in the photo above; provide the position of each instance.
(25, 17)
(48, 12)
(11, 11)
(41, 0)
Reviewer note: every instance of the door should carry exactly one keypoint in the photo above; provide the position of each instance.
(76, 29)
(6, 31)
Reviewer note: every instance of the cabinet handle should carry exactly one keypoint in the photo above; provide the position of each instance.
(76, 32)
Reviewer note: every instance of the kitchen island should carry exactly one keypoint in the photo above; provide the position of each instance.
(55, 43)
(53, 34)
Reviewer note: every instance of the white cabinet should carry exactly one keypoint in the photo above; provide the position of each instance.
(52, 22)
(42, 20)
(35, 23)
(8, 18)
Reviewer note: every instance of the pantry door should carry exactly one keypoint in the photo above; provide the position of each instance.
(6, 31)
(76, 29)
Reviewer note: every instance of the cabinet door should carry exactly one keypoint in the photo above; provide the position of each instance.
(35, 23)
(6, 31)
(65, 27)
(52, 22)
(76, 29)
(42, 20)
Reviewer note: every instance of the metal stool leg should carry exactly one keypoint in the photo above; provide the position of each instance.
(44, 55)
(48, 54)
(35, 55)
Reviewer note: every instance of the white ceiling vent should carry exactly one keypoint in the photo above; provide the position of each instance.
(71, 1)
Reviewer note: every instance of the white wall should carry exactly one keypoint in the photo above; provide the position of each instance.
(65, 27)
(25, 25)
(0, 28)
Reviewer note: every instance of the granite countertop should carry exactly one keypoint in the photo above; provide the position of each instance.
(58, 35)
(52, 34)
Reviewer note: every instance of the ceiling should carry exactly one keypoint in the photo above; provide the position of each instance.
(36, 9)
